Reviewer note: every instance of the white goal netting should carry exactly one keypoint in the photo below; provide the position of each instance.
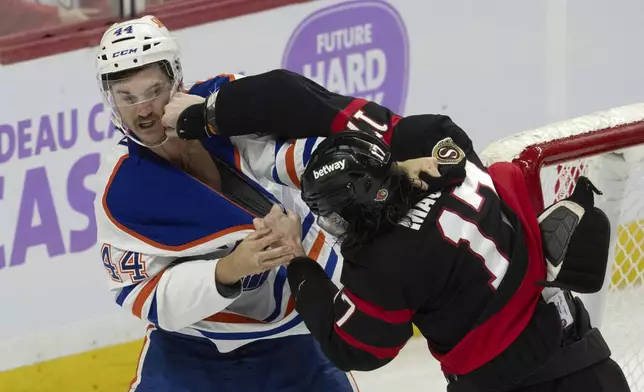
(608, 148)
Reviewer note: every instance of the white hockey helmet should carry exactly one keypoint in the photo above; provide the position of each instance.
(134, 44)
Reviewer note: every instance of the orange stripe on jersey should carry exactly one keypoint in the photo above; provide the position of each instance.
(223, 317)
(158, 245)
(230, 76)
(237, 160)
(290, 307)
(314, 253)
(290, 165)
(203, 81)
(146, 341)
(145, 293)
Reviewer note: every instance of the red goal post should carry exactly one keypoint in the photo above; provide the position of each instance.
(608, 148)
(566, 141)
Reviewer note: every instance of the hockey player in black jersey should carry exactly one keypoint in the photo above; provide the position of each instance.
(466, 260)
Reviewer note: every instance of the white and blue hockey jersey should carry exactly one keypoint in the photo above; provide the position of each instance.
(161, 233)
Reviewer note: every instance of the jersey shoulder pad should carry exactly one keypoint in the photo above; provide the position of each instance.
(110, 159)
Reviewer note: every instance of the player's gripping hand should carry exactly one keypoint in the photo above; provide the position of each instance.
(288, 225)
(412, 168)
(258, 252)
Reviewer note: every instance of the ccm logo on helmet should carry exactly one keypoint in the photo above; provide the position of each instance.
(123, 52)
(326, 169)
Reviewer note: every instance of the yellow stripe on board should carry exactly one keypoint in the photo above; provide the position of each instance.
(109, 369)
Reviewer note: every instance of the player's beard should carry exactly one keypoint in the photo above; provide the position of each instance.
(367, 222)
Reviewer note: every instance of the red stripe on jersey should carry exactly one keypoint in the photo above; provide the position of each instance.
(489, 339)
(378, 352)
(373, 310)
(340, 121)
(387, 136)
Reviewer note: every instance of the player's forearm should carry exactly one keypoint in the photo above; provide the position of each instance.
(315, 295)
(279, 103)
(190, 293)
(284, 104)
(182, 295)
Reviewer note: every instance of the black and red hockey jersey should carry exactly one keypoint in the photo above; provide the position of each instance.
(461, 266)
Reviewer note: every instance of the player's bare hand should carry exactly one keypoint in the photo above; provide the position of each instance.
(178, 103)
(413, 167)
(260, 251)
(288, 225)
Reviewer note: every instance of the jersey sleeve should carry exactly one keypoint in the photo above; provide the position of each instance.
(298, 112)
(205, 88)
(354, 332)
(418, 135)
(164, 291)
(286, 104)
(278, 160)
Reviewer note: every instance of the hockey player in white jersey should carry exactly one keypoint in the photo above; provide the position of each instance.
(177, 241)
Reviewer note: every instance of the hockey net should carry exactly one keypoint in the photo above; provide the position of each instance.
(608, 148)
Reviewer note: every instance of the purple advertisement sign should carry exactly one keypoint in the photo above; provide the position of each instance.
(357, 48)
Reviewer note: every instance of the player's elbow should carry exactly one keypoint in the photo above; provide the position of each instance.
(360, 365)
(358, 361)
(281, 75)
(176, 320)
(170, 325)
(171, 321)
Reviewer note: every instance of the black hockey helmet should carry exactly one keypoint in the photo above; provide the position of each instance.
(348, 170)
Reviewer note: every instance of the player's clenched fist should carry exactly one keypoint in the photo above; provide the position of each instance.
(257, 253)
(178, 103)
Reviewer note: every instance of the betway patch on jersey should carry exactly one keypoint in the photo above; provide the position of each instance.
(330, 168)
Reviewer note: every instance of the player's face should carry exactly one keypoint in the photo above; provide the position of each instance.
(140, 101)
